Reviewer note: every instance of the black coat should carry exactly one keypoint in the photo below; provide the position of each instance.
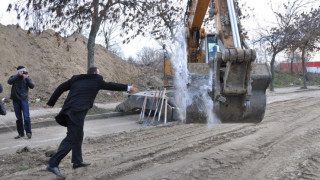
(20, 87)
(83, 91)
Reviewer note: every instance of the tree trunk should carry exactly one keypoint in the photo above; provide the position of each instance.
(107, 42)
(304, 69)
(291, 64)
(272, 72)
(91, 42)
(95, 25)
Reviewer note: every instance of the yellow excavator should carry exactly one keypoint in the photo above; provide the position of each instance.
(238, 84)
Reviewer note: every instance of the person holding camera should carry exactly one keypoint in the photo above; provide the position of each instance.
(21, 83)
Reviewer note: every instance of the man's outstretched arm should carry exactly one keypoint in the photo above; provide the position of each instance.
(57, 93)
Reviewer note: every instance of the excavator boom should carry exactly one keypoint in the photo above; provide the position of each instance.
(196, 11)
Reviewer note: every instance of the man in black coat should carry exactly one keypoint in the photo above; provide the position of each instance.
(21, 83)
(83, 89)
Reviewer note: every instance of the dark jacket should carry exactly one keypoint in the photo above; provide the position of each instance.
(2, 109)
(83, 90)
(20, 87)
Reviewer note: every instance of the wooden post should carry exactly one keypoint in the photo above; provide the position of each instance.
(157, 105)
(143, 109)
(154, 98)
(165, 111)
(162, 99)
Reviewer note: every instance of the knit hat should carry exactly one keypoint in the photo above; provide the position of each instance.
(21, 68)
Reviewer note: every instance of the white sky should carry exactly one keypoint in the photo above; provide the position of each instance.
(261, 15)
(6, 18)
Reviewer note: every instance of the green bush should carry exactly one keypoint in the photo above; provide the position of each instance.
(285, 79)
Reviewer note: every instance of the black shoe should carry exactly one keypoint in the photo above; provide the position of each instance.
(29, 135)
(55, 170)
(83, 164)
(18, 137)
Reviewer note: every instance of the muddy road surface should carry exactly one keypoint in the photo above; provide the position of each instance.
(285, 145)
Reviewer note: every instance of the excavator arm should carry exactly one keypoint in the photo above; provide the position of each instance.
(196, 11)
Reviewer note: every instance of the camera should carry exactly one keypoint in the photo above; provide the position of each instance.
(25, 72)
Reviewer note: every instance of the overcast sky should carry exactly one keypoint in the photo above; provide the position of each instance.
(260, 16)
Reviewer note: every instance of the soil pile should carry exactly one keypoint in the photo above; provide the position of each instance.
(51, 59)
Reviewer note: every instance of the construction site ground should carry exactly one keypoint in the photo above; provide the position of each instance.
(285, 145)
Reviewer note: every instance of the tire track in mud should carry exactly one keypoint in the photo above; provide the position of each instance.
(289, 108)
(306, 154)
(175, 151)
(297, 148)
(309, 169)
(163, 146)
(287, 104)
(297, 133)
(248, 161)
(262, 151)
(294, 119)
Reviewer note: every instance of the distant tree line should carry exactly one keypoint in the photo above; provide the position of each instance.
(296, 30)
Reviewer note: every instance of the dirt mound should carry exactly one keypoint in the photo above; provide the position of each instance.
(51, 59)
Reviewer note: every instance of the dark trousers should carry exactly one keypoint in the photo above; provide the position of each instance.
(73, 141)
(22, 107)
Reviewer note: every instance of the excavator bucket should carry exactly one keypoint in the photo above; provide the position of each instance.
(240, 106)
(233, 107)
(243, 108)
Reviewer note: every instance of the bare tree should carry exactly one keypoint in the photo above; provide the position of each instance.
(291, 52)
(36, 25)
(150, 57)
(276, 41)
(136, 16)
(110, 32)
(131, 60)
(278, 38)
(308, 38)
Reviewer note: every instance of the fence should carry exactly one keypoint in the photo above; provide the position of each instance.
(313, 67)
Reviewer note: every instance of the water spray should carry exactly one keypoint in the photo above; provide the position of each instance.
(185, 97)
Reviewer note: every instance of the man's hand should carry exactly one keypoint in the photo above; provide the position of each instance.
(25, 76)
(133, 89)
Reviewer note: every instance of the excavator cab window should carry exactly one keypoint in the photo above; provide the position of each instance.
(202, 54)
(212, 47)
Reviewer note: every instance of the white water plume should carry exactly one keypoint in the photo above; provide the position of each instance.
(181, 77)
(198, 89)
(208, 103)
